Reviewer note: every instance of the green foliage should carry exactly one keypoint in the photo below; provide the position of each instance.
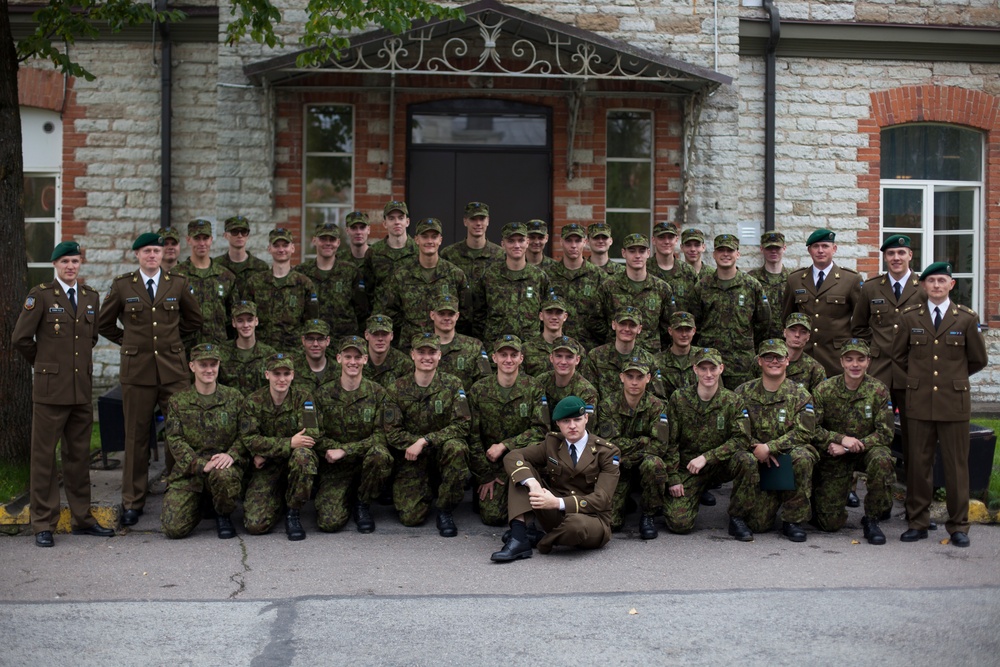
(13, 480)
(992, 498)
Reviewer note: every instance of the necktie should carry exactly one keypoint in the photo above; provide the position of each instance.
(819, 280)
(71, 292)
(149, 288)
(897, 289)
(572, 453)
(937, 318)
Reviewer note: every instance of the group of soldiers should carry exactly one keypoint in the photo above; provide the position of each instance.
(563, 387)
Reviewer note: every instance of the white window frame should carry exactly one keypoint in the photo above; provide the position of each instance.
(56, 219)
(307, 250)
(651, 160)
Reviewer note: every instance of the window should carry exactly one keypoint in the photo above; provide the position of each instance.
(932, 191)
(629, 195)
(41, 146)
(329, 165)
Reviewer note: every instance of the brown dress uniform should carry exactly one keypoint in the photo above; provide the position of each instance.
(58, 343)
(587, 489)
(938, 364)
(153, 363)
(830, 309)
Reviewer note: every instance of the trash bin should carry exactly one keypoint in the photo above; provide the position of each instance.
(111, 420)
(982, 446)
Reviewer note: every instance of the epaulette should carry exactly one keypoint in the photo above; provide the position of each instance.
(125, 275)
(600, 441)
(966, 309)
(844, 268)
(46, 285)
(913, 307)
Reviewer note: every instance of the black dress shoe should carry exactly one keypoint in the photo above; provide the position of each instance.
(131, 517)
(513, 550)
(912, 535)
(363, 517)
(853, 500)
(793, 531)
(293, 526)
(707, 499)
(446, 524)
(647, 529)
(873, 533)
(97, 530)
(738, 528)
(224, 527)
(960, 539)
(44, 539)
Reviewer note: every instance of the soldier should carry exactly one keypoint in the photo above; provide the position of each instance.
(577, 282)
(385, 364)
(568, 481)
(314, 359)
(473, 254)
(599, 241)
(507, 414)
(564, 380)
(158, 313)
(340, 289)
(427, 415)
(708, 427)
(538, 238)
(358, 230)
(827, 293)
(285, 299)
(512, 290)
(782, 420)
(802, 369)
(244, 359)
(279, 427)
(854, 428)
(213, 285)
(203, 433)
(636, 421)
(56, 333)
(461, 356)
(238, 259)
(354, 459)
(171, 248)
(409, 293)
(693, 247)
(732, 312)
(636, 287)
(536, 349)
(674, 363)
(605, 362)
(773, 277)
(664, 265)
(940, 347)
(383, 257)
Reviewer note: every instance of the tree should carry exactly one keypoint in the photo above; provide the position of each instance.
(64, 21)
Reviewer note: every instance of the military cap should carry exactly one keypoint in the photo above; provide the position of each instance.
(855, 345)
(937, 267)
(553, 302)
(798, 320)
(571, 406)
(328, 228)
(446, 302)
(169, 233)
(507, 340)
(280, 360)
(476, 209)
(237, 222)
(772, 240)
(149, 238)
(709, 354)
(599, 229)
(692, 234)
(199, 227)
(377, 323)
(682, 320)
(396, 206)
(629, 313)
(245, 308)
(206, 351)
(279, 234)
(566, 343)
(316, 327)
(355, 218)
(356, 342)
(537, 226)
(426, 339)
(636, 364)
(773, 346)
(727, 241)
(66, 248)
(428, 225)
(512, 228)
(896, 241)
(664, 228)
(573, 229)
(633, 240)
(821, 235)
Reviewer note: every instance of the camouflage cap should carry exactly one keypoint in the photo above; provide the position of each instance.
(279, 360)
(664, 228)
(566, 343)
(727, 241)
(428, 225)
(772, 240)
(244, 308)
(553, 302)
(537, 226)
(357, 218)
(773, 346)
(199, 227)
(237, 222)
(446, 302)
(507, 340)
(855, 345)
(936, 267)
(378, 322)
(821, 235)
(357, 342)
(396, 206)
(316, 327)
(328, 228)
(64, 249)
(636, 364)
(709, 354)
(599, 229)
(634, 240)
(896, 241)
(206, 351)
(279, 234)
(692, 234)
(573, 229)
(426, 339)
(682, 320)
(512, 228)
(798, 320)
(629, 314)
(149, 238)
(476, 209)
(571, 406)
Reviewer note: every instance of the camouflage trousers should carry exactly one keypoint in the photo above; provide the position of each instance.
(832, 480)
(760, 508)
(338, 481)
(411, 490)
(650, 475)
(181, 511)
(278, 484)
(681, 512)
(493, 511)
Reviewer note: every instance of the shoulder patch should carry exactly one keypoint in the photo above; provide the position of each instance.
(29, 303)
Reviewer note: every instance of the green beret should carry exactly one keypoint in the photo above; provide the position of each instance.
(512, 228)
(937, 267)
(537, 226)
(357, 218)
(237, 222)
(798, 320)
(199, 227)
(727, 241)
(428, 225)
(636, 364)
(476, 209)
(629, 314)
(328, 228)
(599, 229)
(280, 360)
(149, 238)
(634, 240)
(855, 345)
(396, 206)
(316, 327)
(206, 351)
(571, 406)
(279, 234)
(896, 241)
(426, 340)
(169, 233)
(566, 343)
(821, 235)
(682, 320)
(446, 302)
(772, 240)
(66, 248)
(357, 342)
(773, 346)
(709, 354)
(664, 228)
(692, 234)
(507, 340)
(377, 323)
(573, 229)
(245, 308)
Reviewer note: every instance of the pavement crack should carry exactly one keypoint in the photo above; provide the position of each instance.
(237, 577)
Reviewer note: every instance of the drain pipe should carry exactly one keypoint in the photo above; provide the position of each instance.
(769, 114)
(166, 70)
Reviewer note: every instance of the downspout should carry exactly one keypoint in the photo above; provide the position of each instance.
(166, 70)
(769, 119)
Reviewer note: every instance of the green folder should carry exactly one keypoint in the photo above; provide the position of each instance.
(778, 478)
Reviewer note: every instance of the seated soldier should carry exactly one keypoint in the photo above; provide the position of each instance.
(568, 481)
(385, 364)
(563, 380)
(203, 435)
(605, 362)
(244, 359)
(674, 362)
(803, 370)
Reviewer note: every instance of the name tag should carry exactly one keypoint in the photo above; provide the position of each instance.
(950, 333)
(132, 299)
(553, 461)
(800, 291)
(916, 331)
(878, 302)
(171, 298)
(57, 310)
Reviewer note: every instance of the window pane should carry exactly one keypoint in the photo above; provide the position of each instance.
(956, 249)
(628, 184)
(630, 134)
(962, 292)
(479, 129)
(902, 208)
(329, 129)
(623, 224)
(40, 197)
(932, 152)
(328, 180)
(40, 274)
(954, 210)
(916, 245)
(40, 237)
(323, 214)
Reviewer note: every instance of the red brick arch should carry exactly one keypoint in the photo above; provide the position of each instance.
(939, 104)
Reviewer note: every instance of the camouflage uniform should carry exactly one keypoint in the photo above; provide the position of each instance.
(440, 414)
(774, 285)
(199, 427)
(513, 416)
(283, 306)
(865, 414)
(244, 369)
(604, 364)
(341, 296)
(611, 268)
(653, 298)
(216, 292)
(681, 279)
(676, 371)
(512, 300)
(784, 421)
(308, 379)
(242, 270)
(473, 263)
(396, 365)
(536, 351)
(465, 358)
(352, 421)
(805, 372)
(267, 430)
(578, 386)
(579, 289)
(381, 261)
(410, 292)
(718, 429)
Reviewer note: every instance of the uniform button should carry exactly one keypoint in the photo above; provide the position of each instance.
(935, 357)
(154, 309)
(817, 300)
(157, 352)
(935, 388)
(935, 342)
(154, 337)
(895, 326)
(154, 324)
